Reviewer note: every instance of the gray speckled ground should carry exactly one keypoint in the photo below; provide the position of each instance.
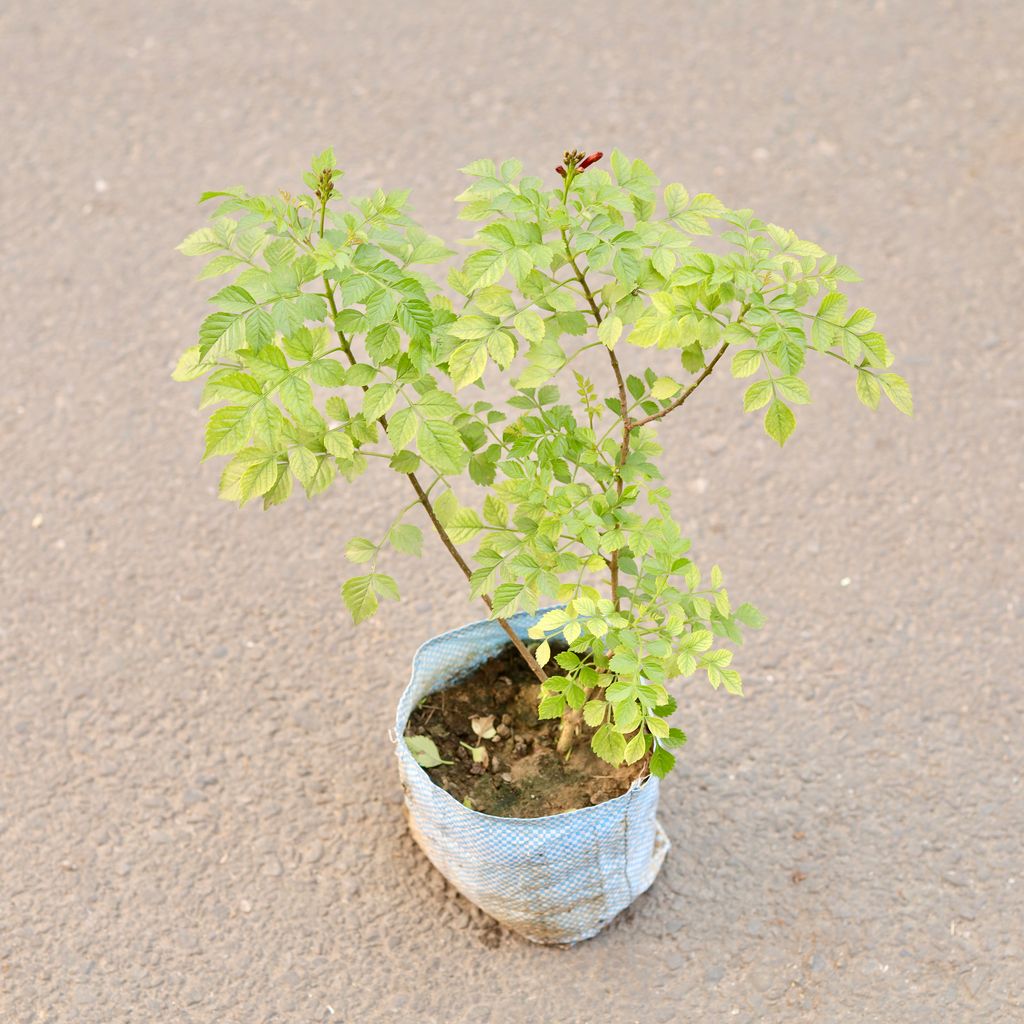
(199, 812)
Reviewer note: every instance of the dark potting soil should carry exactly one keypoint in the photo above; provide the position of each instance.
(519, 774)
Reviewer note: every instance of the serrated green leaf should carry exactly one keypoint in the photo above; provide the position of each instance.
(635, 748)
(495, 510)
(405, 462)
(303, 464)
(407, 538)
(746, 363)
(467, 363)
(749, 616)
(441, 446)
(793, 389)
(552, 705)
(359, 597)
(758, 395)
(897, 391)
(608, 744)
(463, 525)
(360, 550)
(530, 325)
(506, 597)
(378, 400)
(609, 331)
(662, 762)
(869, 391)
(779, 421)
(227, 430)
(190, 365)
(339, 444)
(664, 387)
(501, 347)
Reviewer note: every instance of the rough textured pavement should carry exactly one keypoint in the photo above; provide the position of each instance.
(199, 810)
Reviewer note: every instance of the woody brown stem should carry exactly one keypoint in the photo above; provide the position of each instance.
(686, 394)
(424, 500)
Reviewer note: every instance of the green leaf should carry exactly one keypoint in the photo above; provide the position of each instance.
(425, 751)
(868, 389)
(405, 462)
(749, 616)
(190, 365)
(662, 762)
(339, 444)
(495, 510)
(594, 712)
(259, 477)
(779, 421)
(402, 428)
(758, 395)
(506, 597)
(228, 430)
(467, 363)
(416, 318)
(658, 727)
(407, 538)
(501, 347)
(746, 363)
(635, 748)
(609, 332)
(360, 374)
(221, 334)
(897, 391)
(471, 328)
(281, 490)
(696, 640)
(201, 242)
(303, 464)
(543, 653)
(530, 325)
(495, 301)
(441, 446)
(609, 745)
(464, 525)
(378, 400)
(675, 738)
(485, 267)
(793, 389)
(361, 592)
(664, 387)
(360, 550)
(359, 597)
(551, 706)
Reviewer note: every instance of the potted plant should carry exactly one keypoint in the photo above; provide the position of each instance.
(530, 744)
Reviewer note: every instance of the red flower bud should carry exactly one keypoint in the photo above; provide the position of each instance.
(592, 159)
(561, 170)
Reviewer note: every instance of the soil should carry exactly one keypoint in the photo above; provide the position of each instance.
(518, 774)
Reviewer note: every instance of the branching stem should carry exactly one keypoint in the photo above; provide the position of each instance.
(423, 499)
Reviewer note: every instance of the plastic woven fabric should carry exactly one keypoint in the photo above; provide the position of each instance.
(556, 879)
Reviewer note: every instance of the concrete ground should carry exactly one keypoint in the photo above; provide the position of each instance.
(199, 813)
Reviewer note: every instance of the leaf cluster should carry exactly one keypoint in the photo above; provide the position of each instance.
(333, 348)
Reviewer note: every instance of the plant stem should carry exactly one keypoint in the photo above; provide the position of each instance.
(686, 394)
(613, 561)
(424, 499)
(467, 572)
(571, 719)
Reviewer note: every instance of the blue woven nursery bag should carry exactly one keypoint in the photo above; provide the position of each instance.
(555, 879)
